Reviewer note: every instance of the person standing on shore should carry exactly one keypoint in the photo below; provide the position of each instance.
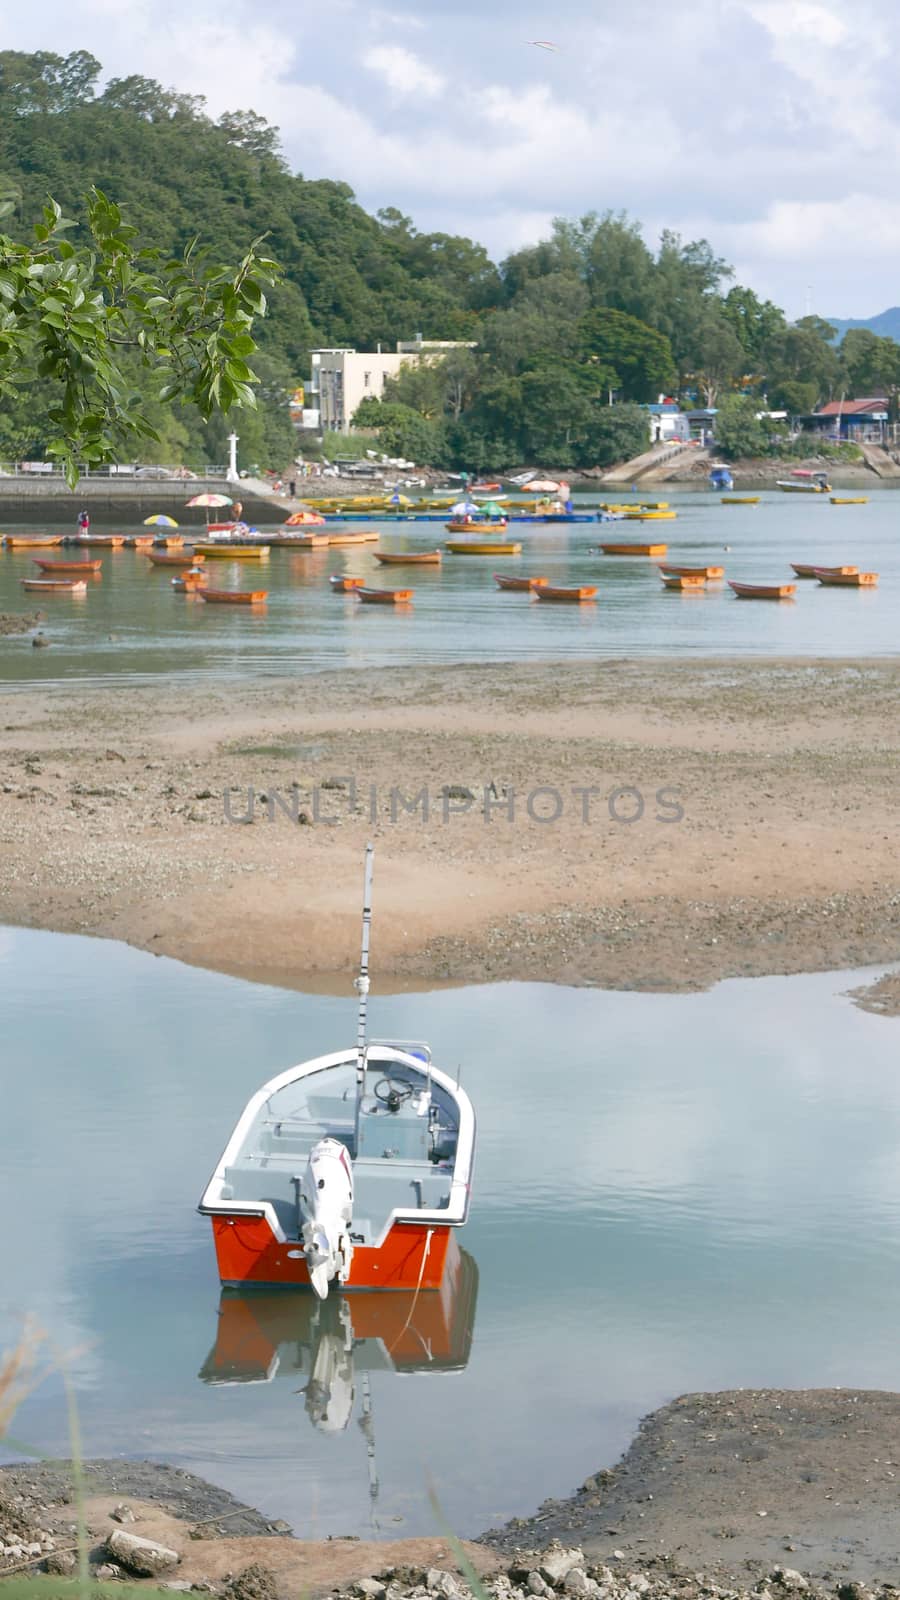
(84, 522)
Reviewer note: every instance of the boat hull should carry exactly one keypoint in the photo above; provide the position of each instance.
(421, 558)
(518, 584)
(481, 547)
(763, 591)
(384, 597)
(233, 597)
(410, 1256)
(634, 549)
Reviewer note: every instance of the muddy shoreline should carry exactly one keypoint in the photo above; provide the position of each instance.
(631, 824)
(737, 1484)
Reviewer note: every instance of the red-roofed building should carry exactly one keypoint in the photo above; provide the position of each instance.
(855, 420)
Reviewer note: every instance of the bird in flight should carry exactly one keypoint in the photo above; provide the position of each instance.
(542, 44)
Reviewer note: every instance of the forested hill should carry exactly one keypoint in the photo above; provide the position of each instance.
(571, 336)
(350, 278)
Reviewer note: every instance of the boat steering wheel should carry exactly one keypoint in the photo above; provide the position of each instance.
(392, 1092)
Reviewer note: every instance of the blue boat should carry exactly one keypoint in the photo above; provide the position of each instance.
(720, 478)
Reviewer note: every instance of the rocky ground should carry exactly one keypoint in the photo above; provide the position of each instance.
(633, 824)
(766, 1494)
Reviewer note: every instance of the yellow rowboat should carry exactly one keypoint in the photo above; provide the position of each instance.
(354, 536)
(679, 580)
(484, 547)
(28, 542)
(232, 552)
(740, 500)
(853, 500)
(650, 516)
(634, 549)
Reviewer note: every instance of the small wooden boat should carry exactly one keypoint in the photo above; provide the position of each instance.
(740, 500)
(354, 536)
(140, 542)
(384, 597)
(27, 541)
(802, 488)
(101, 541)
(484, 547)
(460, 525)
(547, 591)
(634, 549)
(344, 585)
(650, 516)
(174, 558)
(55, 585)
(418, 558)
(709, 573)
(847, 580)
(187, 582)
(804, 570)
(233, 597)
(88, 569)
(306, 541)
(169, 541)
(518, 583)
(678, 580)
(232, 552)
(850, 500)
(763, 591)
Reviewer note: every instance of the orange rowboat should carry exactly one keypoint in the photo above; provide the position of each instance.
(101, 541)
(385, 597)
(233, 597)
(55, 585)
(546, 591)
(28, 542)
(187, 582)
(804, 570)
(694, 572)
(689, 585)
(344, 585)
(847, 580)
(174, 542)
(141, 542)
(763, 591)
(364, 536)
(634, 549)
(174, 558)
(419, 558)
(518, 583)
(88, 569)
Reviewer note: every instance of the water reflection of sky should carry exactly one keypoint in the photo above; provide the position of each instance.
(671, 1193)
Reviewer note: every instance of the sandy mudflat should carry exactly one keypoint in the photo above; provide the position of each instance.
(764, 795)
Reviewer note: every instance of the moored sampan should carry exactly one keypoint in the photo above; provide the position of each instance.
(804, 569)
(518, 583)
(28, 541)
(341, 584)
(634, 549)
(847, 580)
(187, 582)
(385, 597)
(404, 558)
(233, 597)
(484, 547)
(693, 572)
(354, 536)
(58, 585)
(679, 580)
(850, 500)
(233, 552)
(174, 558)
(740, 500)
(547, 591)
(88, 569)
(763, 591)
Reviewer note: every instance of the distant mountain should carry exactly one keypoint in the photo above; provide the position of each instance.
(886, 324)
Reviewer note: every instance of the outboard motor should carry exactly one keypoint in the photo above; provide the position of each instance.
(326, 1198)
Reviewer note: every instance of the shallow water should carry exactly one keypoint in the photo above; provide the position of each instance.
(131, 625)
(671, 1193)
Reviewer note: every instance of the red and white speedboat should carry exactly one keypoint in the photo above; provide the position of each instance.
(352, 1168)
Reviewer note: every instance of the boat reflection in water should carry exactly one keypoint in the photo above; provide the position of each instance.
(266, 1334)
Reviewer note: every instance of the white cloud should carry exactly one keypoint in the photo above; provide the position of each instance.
(402, 71)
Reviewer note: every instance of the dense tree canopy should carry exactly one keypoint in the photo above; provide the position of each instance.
(551, 337)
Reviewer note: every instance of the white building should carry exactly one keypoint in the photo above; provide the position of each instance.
(342, 379)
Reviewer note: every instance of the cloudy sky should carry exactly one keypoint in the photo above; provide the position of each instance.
(771, 127)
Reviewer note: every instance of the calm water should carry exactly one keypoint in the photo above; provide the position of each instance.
(131, 625)
(671, 1193)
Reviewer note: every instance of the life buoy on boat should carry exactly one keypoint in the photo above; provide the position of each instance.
(326, 1203)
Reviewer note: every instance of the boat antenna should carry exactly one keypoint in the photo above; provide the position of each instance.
(362, 989)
